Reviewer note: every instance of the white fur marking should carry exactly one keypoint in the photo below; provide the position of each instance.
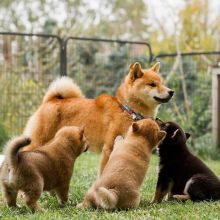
(190, 181)
(32, 121)
(64, 87)
(174, 133)
(2, 158)
(161, 95)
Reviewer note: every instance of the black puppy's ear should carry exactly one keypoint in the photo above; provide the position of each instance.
(158, 119)
(187, 135)
(135, 71)
(175, 133)
(135, 127)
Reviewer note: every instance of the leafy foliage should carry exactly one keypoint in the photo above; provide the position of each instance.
(3, 137)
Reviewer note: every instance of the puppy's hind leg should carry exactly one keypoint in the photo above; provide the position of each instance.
(10, 195)
(132, 201)
(186, 195)
(88, 201)
(62, 194)
(32, 194)
(31, 199)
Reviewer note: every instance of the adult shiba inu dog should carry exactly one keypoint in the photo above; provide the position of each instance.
(119, 185)
(182, 175)
(103, 117)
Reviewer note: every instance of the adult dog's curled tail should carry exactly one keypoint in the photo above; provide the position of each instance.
(106, 198)
(63, 88)
(12, 148)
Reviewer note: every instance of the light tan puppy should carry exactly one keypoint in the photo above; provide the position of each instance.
(123, 175)
(102, 117)
(48, 168)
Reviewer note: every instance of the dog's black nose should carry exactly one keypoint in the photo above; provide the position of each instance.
(171, 92)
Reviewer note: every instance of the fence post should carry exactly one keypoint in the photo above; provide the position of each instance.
(63, 61)
(216, 105)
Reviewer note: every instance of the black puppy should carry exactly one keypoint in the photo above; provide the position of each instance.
(182, 175)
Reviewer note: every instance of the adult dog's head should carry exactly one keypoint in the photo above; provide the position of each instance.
(146, 85)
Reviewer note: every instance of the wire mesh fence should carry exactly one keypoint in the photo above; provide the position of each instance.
(191, 78)
(98, 66)
(28, 64)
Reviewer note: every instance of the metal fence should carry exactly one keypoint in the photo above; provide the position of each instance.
(190, 75)
(29, 62)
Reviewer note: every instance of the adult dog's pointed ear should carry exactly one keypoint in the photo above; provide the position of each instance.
(135, 71)
(187, 135)
(135, 127)
(156, 67)
(161, 135)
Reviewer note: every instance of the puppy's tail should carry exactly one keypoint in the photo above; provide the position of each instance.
(12, 148)
(106, 198)
(63, 88)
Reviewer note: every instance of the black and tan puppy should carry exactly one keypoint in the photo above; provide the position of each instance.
(182, 175)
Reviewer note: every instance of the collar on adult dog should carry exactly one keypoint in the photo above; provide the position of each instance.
(134, 115)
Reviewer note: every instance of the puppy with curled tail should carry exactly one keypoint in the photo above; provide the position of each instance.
(48, 168)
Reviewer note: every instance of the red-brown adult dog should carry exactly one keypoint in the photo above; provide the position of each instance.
(102, 118)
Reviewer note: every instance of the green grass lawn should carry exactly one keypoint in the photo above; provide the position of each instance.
(84, 175)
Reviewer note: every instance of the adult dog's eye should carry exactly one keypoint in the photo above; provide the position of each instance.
(152, 84)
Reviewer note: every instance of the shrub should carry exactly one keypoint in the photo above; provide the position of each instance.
(3, 137)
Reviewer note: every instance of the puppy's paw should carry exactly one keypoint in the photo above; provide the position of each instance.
(80, 206)
(38, 209)
(119, 138)
(41, 209)
(181, 197)
(176, 196)
(84, 205)
(154, 201)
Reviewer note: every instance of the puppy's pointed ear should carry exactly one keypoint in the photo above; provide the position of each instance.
(161, 135)
(135, 71)
(175, 133)
(81, 132)
(187, 135)
(135, 127)
(156, 67)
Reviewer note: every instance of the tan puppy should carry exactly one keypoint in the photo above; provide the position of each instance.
(123, 175)
(48, 168)
(103, 117)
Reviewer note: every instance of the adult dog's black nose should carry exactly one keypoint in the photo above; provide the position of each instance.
(171, 92)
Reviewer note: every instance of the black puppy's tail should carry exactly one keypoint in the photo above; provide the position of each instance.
(12, 148)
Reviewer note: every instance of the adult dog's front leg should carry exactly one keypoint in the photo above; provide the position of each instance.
(106, 151)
